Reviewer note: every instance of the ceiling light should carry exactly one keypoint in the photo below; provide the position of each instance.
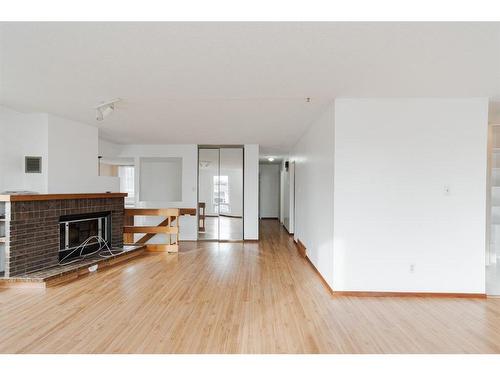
(270, 159)
(105, 109)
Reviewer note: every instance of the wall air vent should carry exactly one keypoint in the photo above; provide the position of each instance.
(33, 164)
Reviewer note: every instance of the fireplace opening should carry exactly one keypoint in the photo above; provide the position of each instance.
(74, 230)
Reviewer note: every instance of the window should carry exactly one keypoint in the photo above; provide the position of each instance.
(126, 174)
(221, 194)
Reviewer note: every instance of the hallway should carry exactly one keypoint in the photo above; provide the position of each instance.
(234, 298)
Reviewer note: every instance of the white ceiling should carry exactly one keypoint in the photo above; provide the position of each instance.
(236, 83)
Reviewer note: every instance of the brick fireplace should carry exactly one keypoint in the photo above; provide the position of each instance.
(32, 226)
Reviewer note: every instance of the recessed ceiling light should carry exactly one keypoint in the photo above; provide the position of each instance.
(270, 159)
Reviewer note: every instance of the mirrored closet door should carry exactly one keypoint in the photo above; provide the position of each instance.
(230, 191)
(220, 193)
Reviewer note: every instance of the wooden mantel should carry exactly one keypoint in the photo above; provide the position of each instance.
(49, 197)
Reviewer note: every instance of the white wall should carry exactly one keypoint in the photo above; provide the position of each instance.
(161, 179)
(313, 156)
(110, 149)
(395, 227)
(251, 193)
(73, 163)
(269, 204)
(22, 135)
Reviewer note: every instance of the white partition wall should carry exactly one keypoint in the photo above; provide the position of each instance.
(73, 148)
(410, 195)
(313, 157)
(22, 135)
(251, 192)
(160, 179)
(391, 194)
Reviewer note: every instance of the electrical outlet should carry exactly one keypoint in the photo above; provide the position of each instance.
(446, 189)
(412, 268)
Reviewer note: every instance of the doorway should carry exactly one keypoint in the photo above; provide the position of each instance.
(269, 191)
(220, 193)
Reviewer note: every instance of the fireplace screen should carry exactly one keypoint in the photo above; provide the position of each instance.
(76, 229)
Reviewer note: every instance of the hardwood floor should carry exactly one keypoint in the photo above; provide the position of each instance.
(222, 228)
(235, 298)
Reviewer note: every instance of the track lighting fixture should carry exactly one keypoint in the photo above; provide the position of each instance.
(105, 109)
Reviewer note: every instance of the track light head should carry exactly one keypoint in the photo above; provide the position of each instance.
(105, 109)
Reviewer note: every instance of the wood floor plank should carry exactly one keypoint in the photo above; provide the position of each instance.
(235, 298)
